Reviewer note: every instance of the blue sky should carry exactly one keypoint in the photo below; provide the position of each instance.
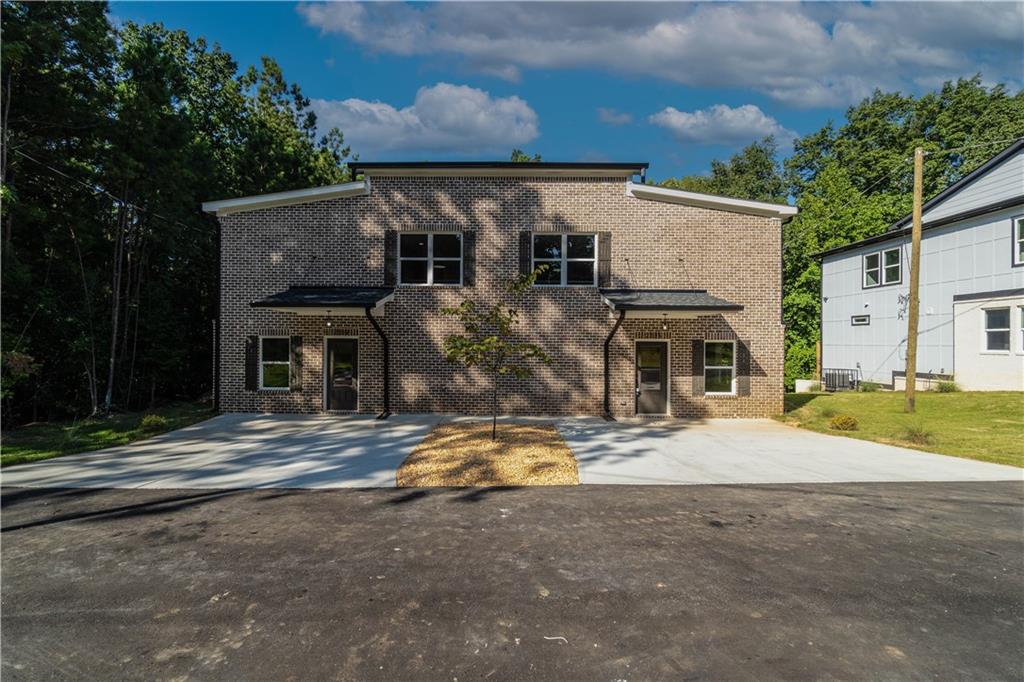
(673, 84)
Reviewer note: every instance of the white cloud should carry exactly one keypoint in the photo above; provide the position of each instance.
(613, 117)
(809, 54)
(720, 124)
(443, 117)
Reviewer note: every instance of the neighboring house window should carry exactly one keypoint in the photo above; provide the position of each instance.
(882, 267)
(1018, 240)
(860, 320)
(571, 259)
(719, 367)
(275, 362)
(997, 329)
(430, 258)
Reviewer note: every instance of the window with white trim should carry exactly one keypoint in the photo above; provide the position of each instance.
(882, 267)
(571, 259)
(275, 362)
(720, 367)
(1018, 240)
(427, 258)
(997, 329)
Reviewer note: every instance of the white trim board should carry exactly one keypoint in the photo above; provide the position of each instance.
(297, 196)
(678, 196)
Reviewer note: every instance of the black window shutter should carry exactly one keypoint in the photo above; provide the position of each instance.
(390, 258)
(698, 367)
(295, 373)
(468, 258)
(252, 362)
(525, 252)
(742, 368)
(604, 259)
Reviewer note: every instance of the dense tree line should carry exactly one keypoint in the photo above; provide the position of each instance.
(111, 138)
(854, 180)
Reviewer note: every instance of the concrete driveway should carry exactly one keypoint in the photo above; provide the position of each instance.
(752, 451)
(244, 451)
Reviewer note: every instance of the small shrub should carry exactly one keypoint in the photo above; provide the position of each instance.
(814, 388)
(869, 386)
(947, 387)
(917, 434)
(843, 422)
(154, 422)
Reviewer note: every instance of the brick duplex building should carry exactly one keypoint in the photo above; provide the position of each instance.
(655, 301)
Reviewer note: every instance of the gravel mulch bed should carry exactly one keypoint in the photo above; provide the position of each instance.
(464, 455)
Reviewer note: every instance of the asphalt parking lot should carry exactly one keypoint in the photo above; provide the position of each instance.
(823, 581)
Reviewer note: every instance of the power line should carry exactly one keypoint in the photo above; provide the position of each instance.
(975, 146)
(96, 189)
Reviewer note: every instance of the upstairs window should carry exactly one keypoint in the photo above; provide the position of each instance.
(720, 367)
(997, 329)
(275, 362)
(571, 259)
(430, 258)
(1018, 240)
(882, 267)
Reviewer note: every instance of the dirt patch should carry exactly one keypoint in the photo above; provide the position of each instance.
(465, 455)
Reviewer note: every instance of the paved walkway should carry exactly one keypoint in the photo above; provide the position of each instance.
(752, 451)
(289, 451)
(244, 451)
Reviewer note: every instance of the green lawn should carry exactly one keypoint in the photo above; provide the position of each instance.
(52, 439)
(984, 426)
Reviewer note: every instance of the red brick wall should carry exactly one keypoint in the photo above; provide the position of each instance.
(654, 245)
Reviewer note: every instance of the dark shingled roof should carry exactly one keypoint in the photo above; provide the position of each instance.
(325, 297)
(666, 299)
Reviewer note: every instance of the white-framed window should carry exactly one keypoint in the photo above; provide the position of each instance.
(275, 363)
(1020, 314)
(571, 259)
(1018, 240)
(429, 258)
(860, 320)
(882, 268)
(720, 367)
(997, 329)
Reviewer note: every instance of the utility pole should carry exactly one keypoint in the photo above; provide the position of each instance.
(915, 278)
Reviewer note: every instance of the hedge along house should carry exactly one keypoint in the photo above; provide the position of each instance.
(655, 301)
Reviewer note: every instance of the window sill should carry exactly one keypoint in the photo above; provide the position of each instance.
(994, 352)
(421, 286)
(273, 390)
(565, 286)
(720, 395)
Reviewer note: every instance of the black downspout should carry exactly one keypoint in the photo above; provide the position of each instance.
(387, 374)
(607, 371)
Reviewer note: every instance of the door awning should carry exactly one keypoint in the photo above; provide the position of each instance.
(668, 303)
(328, 300)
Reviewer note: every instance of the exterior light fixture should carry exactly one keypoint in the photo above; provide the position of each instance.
(664, 322)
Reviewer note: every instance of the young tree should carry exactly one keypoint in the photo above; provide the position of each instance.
(487, 341)
(519, 156)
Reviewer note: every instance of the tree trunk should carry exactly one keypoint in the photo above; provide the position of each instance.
(115, 306)
(494, 408)
(90, 373)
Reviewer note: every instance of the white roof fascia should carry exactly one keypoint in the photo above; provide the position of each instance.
(678, 196)
(442, 172)
(297, 196)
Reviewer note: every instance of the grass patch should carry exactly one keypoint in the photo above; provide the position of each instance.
(976, 425)
(35, 442)
(465, 455)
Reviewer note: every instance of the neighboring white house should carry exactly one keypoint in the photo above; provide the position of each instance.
(971, 324)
